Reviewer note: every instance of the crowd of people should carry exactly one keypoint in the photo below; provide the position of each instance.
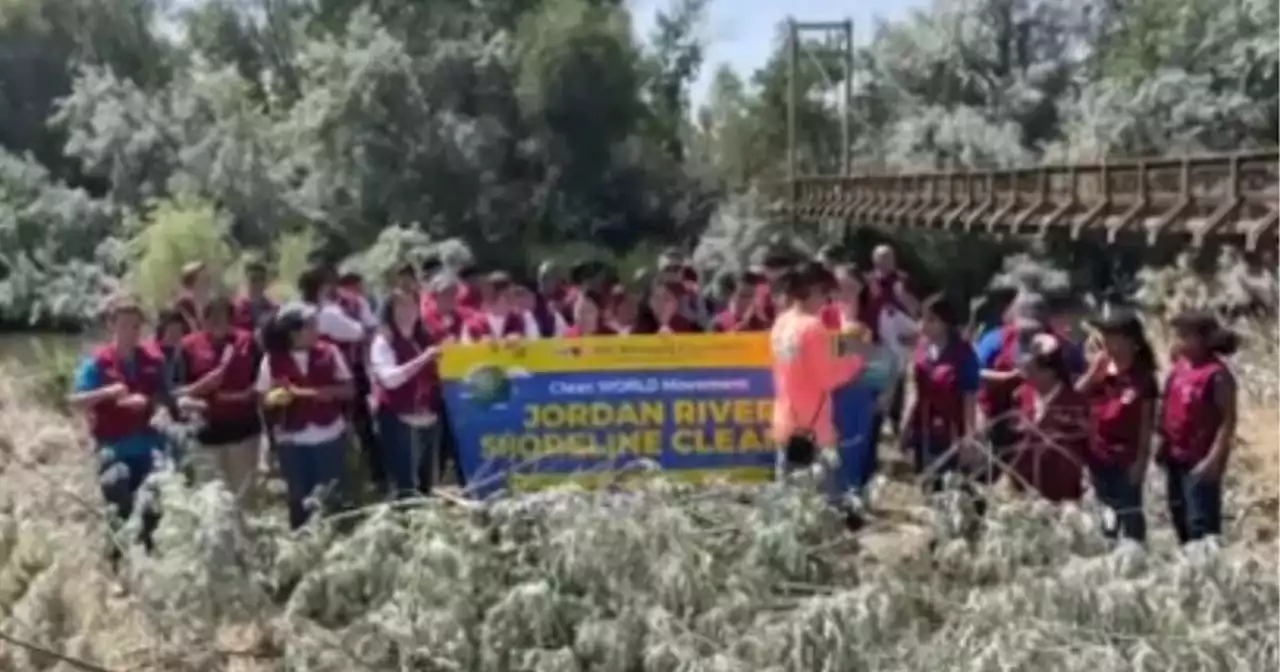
(1023, 397)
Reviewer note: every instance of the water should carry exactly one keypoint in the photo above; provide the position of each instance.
(31, 352)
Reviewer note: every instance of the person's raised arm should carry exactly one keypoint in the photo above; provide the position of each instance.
(367, 317)
(337, 325)
(387, 371)
(1093, 374)
(987, 350)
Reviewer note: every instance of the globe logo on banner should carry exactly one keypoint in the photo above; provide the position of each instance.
(488, 386)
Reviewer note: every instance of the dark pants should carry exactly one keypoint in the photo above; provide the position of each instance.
(1117, 492)
(308, 468)
(927, 454)
(1195, 504)
(120, 476)
(446, 453)
(363, 425)
(405, 449)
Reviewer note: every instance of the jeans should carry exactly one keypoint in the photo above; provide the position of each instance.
(853, 408)
(404, 450)
(120, 475)
(1117, 492)
(308, 468)
(1195, 504)
(446, 453)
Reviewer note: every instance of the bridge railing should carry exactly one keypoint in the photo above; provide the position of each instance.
(1230, 196)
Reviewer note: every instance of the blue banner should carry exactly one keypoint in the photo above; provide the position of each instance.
(600, 410)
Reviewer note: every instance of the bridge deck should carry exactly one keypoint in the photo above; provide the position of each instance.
(1232, 197)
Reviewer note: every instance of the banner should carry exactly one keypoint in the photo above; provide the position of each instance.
(529, 414)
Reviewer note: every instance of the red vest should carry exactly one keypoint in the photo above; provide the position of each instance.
(997, 398)
(203, 354)
(1064, 428)
(242, 313)
(419, 393)
(764, 302)
(727, 321)
(469, 297)
(1190, 418)
(939, 409)
(108, 422)
(478, 327)
(1116, 404)
(322, 371)
(678, 324)
(444, 326)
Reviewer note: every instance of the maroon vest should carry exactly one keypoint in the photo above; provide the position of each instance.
(1053, 449)
(108, 421)
(322, 371)
(203, 355)
(419, 393)
(1116, 403)
(939, 410)
(1190, 418)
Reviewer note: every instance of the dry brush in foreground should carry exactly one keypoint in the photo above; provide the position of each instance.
(665, 579)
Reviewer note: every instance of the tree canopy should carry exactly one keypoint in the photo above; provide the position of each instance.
(516, 125)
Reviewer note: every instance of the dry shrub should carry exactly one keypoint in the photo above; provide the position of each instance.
(663, 579)
(174, 233)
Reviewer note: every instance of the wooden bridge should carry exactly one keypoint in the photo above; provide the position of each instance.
(1231, 198)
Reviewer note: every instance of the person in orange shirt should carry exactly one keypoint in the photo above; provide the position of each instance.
(807, 367)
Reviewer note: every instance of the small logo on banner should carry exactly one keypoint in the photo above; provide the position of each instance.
(570, 351)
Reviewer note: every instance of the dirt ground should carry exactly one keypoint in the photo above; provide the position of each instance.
(1257, 468)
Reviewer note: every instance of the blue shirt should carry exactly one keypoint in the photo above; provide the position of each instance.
(988, 349)
(89, 378)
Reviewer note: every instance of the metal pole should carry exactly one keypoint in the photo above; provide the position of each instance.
(793, 62)
(846, 121)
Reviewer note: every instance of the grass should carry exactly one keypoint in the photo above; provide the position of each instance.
(664, 577)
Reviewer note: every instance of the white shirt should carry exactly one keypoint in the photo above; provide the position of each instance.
(562, 326)
(391, 374)
(367, 317)
(498, 324)
(310, 435)
(893, 327)
(334, 323)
